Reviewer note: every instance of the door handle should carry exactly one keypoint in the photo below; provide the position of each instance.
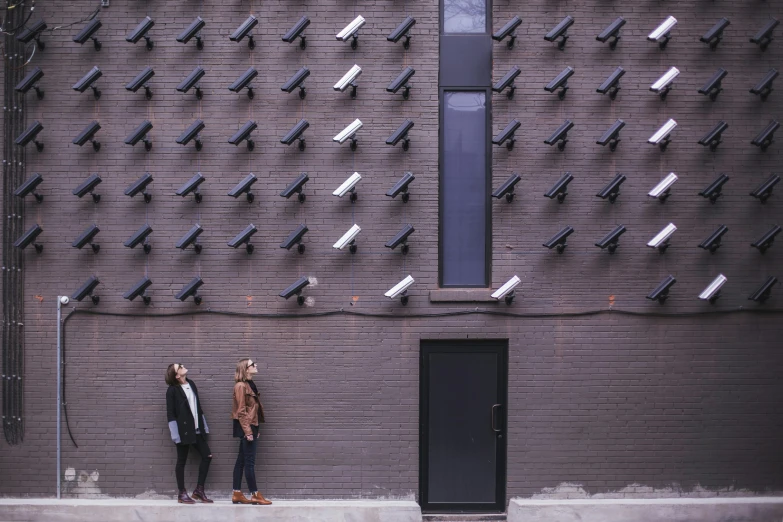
(494, 410)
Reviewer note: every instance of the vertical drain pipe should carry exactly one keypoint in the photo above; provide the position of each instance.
(61, 299)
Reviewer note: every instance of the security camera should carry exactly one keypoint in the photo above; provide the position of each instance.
(764, 87)
(661, 191)
(296, 81)
(87, 82)
(191, 289)
(243, 238)
(762, 293)
(33, 32)
(194, 29)
(296, 290)
(713, 138)
(190, 239)
(296, 134)
(244, 31)
(612, 135)
(139, 290)
(400, 290)
(29, 135)
(507, 82)
(661, 240)
(560, 136)
(88, 134)
(764, 36)
(30, 81)
(560, 189)
(402, 187)
(507, 31)
(559, 240)
(349, 133)
(715, 35)
(507, 134)
(401, 238)
(661, 136)
(87, 187)
(401, 134)
(141, 32)
(296, 32)
(713, 86)
(88, 32)
(663, 85)
(764, 191)
(140, 81)
(662, 33)
(296, 187)
(191, 80)
(612, 190)
(244, 81)
(610, 240)
(349, 185)
(87, 237)
(612, 31)
(140, 134)
(403, 30)
(139, 237)
(192, 186)
(765, 241)
(712, 292)
(244, 134)
(764, 139)
(506, 292)
(400, 81)
(29, 186)
(712, 243)
(661, 292)
(295, 238)
(243, 187)
(351, 31)
(507, 188)
(560, 82)
(714, 190)
(192, 132)
(349, 80)
(612, 83)
(64, 299)
(87, 289)
(140, 186)
(349, 238)
(559, 31)
(29, 237)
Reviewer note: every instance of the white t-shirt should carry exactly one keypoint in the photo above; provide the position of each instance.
(192, 402)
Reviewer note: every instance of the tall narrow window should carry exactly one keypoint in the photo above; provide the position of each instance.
(464, 16)
(463, 190)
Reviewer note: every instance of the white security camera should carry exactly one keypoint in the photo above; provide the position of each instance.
(348, 186)
(661, 240)
(349, 131)
(348, 238)
(351, 31)
(663, 85)
(661, 136)
(712, 292)
(507, 290)
(399, 289)
(661, 190)
(661, 33)
(64, 299)
(348, 79)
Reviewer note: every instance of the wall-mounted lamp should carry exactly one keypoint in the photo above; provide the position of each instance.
(560, 136)
(764, 191)
(612, 31)
(29, 135)
(402, 187)
(296, 290)
(244, 134)
(191, 290)
(713, 86)
(713, 138)
(140, 134)
(88, 134)
(244, 31)
(403, 30)
(141, 32)
(296, 187)
(661, 240)
(139, 290)
(295, 238)
(140, 81)
(87, 187)
(762, 293)
(349, 186)
(193, 30)
(715, 34)
(713, 242)
(243, 238)
(612, 84)
(351, 31)
(29, 238)
(661, 292)
(507, 188)
(764, 139)
(296, 32)
(401, 238)
(244, 81)
(661, 137)
(140, 186)
(506, 292)
(558, 241)
(243, 187)
(29, 186)
(560, 82)
(612, 190)
(296, 134)
(190, 238)
(610, 240)
(400, 290)
(30, 81)
(192, 186)
(712, 292)
(507, 135)
(764, 87)
(560, 189)
(612, 135)
(349, 133)
(764, 36)
(88, 289)
(559, 31)
(191, 81)
(715, 189)
(348, 239)
(662, 33)
(139, 238)
(662, 190)
(401, 134)
(402, 81)
(765, 241)
(86, 238)
(192, 133)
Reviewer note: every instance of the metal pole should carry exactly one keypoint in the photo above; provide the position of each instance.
(59, 385)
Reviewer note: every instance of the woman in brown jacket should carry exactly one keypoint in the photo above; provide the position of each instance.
(247, 413)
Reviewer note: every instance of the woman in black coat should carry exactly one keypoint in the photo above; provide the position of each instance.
(188, 428)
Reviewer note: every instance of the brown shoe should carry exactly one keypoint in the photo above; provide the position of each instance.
(239, 498)
(199, 494)
(183, 498)
(258, 498)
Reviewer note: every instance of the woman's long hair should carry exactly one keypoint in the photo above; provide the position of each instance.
(241, 374)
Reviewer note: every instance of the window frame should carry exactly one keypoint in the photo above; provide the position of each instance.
(487, 21)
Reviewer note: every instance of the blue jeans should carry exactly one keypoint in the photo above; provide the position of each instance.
(246, 459)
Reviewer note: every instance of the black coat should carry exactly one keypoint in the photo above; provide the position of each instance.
(180, 417)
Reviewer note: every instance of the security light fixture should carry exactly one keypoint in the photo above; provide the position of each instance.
(191, 290)
(661, 240)
(243, 238)
(29, 186)
(140, 134)
(662, 33)
(764, 139)
(141, 32)
(401, 238)
(244, 31)
(190, 238)
(139, 290)
(764, 36)
(507, 188)
(191, 133)
(560, 136)
(192, 80)
(507, 31)
(349, 80)
(88, 289)
(764, 191)
(140, 81)
(713, 86)
(559, 31)
(29, 238)
(663, 85)
(87, 187)
(507, 82)
(139, 238)
(402, 80)
(295, 238)
(661, 191)
(611, 239)
(88, 134)
(87, 82)
(402, 187)
(661, 292)
(29, 135)
(560, 82)
(244, 134)
(612, 31)
(244, 81)
(403, 30)
(140, 186)
(558, 241)
(612, 135)
(612, 190)
(507, 134)
(30, 82)
(351, 31)
(765, 241)
(401, 134)
(296, 134)
(714, 189)
(349, 133)
(243, 187)
(661, 137)
(86, 238)
(33, 32)
(713, 138)
(506, 292)
(193, 30)
(400, 290)
(560, 189)
(612, 84)
(715, 34)
(192, 186)
(295, 81)
(348, 186)
(88, 32)
(713, 241)
(349, 238)
(296, 32)
(296, 290)
(764, 87)
(296, 187)
(762, 293)
(712, 292)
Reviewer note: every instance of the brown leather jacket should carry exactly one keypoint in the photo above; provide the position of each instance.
(247, 407)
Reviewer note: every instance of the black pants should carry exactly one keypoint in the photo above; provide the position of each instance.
(246, 459)
(182, 457)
